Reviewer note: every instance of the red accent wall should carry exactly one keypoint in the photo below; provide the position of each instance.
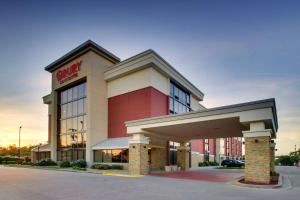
(212, 146)
(197, 146)
(139, 104)
(235, 148)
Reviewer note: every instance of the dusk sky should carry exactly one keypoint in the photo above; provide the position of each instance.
(233, 51)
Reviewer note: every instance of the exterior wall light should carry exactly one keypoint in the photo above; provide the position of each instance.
(256, 141)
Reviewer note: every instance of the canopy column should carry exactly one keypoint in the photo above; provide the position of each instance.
(138, 155)
(183, 157)
(272, 156)
(257, 153)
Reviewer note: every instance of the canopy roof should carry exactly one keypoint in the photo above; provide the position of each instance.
(113, 143)
(220, 122)
(42, 148)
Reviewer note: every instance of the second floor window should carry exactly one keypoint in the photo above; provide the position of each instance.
(179, 100)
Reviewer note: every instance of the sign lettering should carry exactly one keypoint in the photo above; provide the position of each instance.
(68, 73)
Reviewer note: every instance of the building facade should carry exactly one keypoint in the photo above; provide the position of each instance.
(94, 93)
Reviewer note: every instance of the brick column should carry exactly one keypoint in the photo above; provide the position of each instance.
(272, 156)
(257, 153)
(183, 158)
(158, 158)
(138, 155)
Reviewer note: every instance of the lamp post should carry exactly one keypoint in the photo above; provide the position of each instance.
(38, 154)
(20, 128)
(74, 142)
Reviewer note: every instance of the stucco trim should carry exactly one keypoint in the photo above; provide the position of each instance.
(150, 58)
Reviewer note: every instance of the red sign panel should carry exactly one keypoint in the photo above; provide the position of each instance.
(68, 73)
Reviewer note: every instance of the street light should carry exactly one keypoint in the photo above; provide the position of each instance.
(20, 128)
(74, 142)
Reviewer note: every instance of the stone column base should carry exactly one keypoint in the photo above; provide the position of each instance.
(138, 159)
(257, 166)
(183, 157)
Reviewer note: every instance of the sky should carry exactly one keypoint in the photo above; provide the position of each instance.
(233, 51)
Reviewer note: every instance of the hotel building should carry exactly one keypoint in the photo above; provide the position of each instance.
(98, 103)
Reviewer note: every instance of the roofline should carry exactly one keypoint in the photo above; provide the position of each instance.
(47, 99)
(265, 103)
(88, 45)
(118, 67)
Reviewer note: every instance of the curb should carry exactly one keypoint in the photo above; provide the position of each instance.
(238, 184)
(121, 175)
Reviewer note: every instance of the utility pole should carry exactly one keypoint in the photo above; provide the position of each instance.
(20, 128)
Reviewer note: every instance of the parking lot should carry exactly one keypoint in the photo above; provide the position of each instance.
(38, 184)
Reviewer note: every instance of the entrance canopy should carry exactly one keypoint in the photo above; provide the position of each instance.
(220, 122)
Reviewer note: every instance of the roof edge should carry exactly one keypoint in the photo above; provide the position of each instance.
(169, 70)
(87, 44)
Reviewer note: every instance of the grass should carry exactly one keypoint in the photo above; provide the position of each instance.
(47, 167)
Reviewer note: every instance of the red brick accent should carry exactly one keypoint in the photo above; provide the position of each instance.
(139, 104)
(198, 146)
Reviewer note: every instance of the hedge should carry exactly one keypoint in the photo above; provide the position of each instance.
(206, 163)
(106, 166)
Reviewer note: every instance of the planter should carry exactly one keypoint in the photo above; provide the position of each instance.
(168, 168)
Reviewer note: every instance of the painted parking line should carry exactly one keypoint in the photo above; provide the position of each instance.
(121, 175)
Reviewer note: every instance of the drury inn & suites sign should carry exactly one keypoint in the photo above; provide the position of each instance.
(68, 73)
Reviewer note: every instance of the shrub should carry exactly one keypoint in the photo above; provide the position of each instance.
(27, 159)
(1, 160)
(46, 162)
(117, 167)
(11, 162)
(78, 168)
(64, 164)
(79, 163)
(27, 163)
(214, 163)
(101, 166)
(206, 163)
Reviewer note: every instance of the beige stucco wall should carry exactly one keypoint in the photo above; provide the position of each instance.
(195, 105)
(138, 80)
(196, 158)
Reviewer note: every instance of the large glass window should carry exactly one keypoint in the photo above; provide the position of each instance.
(179, 100)
(111, 156)
(173, 152)
(72, 120)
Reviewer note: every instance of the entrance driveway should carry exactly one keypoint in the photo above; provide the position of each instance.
(203, 174)
(37, 184)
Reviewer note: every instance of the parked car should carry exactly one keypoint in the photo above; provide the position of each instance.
(232, 163)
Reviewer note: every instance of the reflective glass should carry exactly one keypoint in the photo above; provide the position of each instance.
(69, 126)
(75, 93)
(80, 123)
(74, 110)
(74, 124)
(63, 126)
(69, 109)
(80, 107)
(64, 111)
(70, 96)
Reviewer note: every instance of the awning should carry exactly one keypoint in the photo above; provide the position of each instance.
(113, 143)
(42, 148)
